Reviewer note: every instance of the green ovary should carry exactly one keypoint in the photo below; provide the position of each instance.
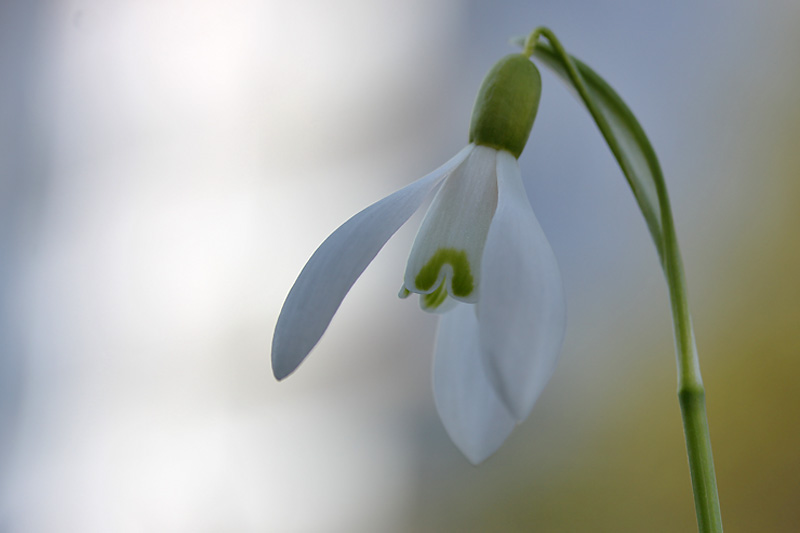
(461, 283)
(506, 105)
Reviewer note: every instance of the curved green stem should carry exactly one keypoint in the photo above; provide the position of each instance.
(691, 393)
(530, 43)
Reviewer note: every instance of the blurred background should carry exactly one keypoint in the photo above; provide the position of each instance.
(167, 167)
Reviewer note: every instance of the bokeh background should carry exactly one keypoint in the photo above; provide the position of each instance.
(167, 167)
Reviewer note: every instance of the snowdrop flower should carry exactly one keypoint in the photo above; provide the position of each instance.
(480, 261)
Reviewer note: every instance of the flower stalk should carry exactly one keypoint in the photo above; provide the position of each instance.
(640, 166)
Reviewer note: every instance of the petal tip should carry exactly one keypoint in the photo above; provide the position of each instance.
(519, 412)
(476, 459)
(280, 371)
(284, 362)
(280, 374)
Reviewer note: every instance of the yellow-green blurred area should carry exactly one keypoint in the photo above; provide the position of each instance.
(166, 169)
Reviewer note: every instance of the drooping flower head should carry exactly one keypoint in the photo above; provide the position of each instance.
(480, 260)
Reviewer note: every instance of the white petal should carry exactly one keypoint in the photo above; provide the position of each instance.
(522, 309)
(337, 264)
(474, 417)
(449, 245)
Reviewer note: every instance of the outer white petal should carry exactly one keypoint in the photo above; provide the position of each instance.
(474, 417)
(337, 264)
(522, 309)
(457, 223)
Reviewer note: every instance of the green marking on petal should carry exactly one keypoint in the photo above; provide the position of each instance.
(404, 293)
(462, 283)
(434, 299)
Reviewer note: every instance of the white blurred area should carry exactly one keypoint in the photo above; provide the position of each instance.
(198, 153)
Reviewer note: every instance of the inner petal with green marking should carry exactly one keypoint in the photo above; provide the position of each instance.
(449, 272)
(445, 262)
(433, 300)
(461, 282)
